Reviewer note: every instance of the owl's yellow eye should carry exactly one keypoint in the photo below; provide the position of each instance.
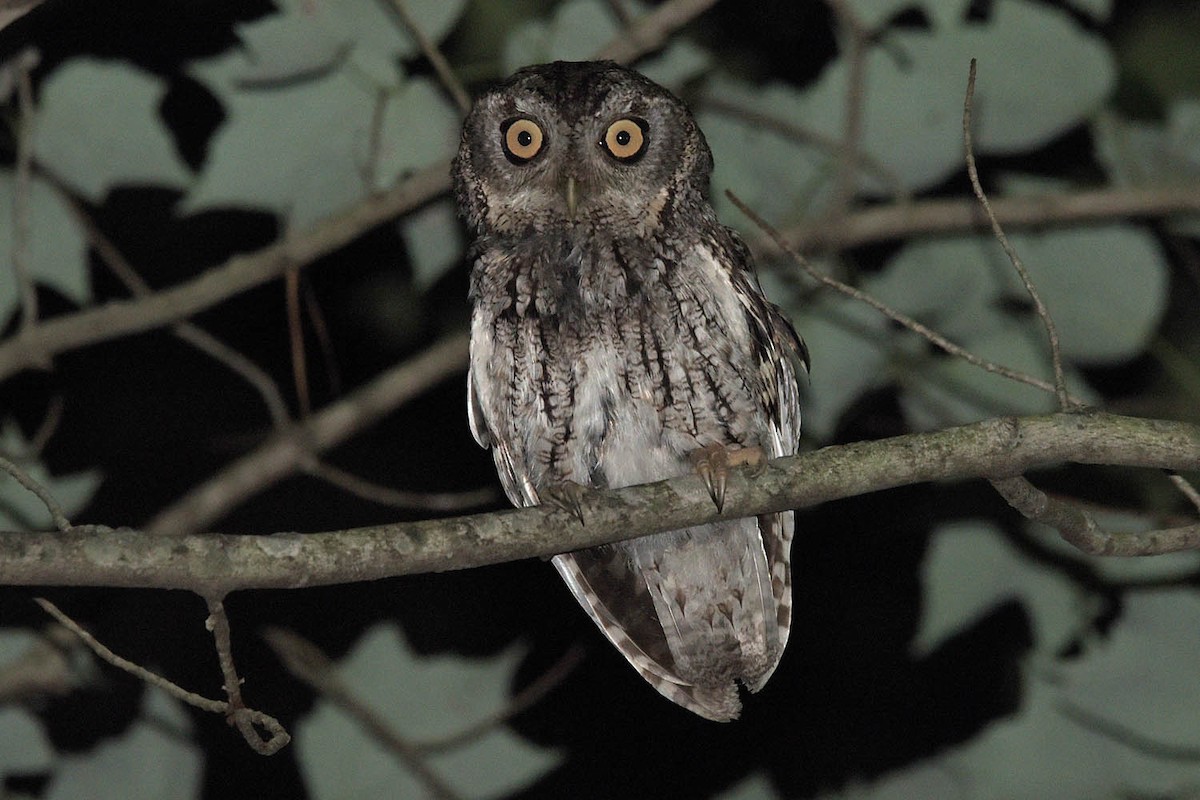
(625, 139)
(522, 139)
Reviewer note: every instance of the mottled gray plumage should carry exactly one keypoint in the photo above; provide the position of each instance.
(618, 327)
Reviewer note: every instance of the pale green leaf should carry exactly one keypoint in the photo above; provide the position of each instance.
(24, 747)
(420, 127)
(144, 762)
(845, 339)
(970, 568)
(297, 150)
(423, 698)
(942, 390)
(98, 126)
(755, 787)
(55, 250)
(434, 239)
(1104, 286)
(1143, 153)
(1099, 10)
(18, 504)
(306, 37)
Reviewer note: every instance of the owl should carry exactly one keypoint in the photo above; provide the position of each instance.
(619, 336)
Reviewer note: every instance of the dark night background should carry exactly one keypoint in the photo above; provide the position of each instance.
(157, 417)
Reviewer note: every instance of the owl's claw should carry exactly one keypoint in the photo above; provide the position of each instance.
(712, 464)
(567, 496)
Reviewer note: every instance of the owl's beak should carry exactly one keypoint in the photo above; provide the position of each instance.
(571, 193)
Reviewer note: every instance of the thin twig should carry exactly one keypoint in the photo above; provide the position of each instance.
(1065, 401)
(1182, 484)
(439, 63)
(295, 327)
(139, 672)
(47, 428)
(903, 319)
(189, 332)
(399, 498)
(1080, 528)
(243, 718)
(22, 192)
(41, 492)
(290, 451)
(526, 698)
(618, 9)
(305, 660)
(651, 31)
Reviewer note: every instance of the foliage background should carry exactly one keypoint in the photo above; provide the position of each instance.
(942, 648)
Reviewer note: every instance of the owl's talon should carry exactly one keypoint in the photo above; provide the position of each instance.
(712, 465)
(567, 496)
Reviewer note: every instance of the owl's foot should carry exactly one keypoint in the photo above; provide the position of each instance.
(712, 464)
(567, 496)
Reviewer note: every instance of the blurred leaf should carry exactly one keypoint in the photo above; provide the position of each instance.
(301, 150)
(1149, 154)
(56, 249)
(970, 568)
(145, 762)
(942, 390)
(24, 748)
(98, 127)
(845, 339)
(1098, 10)
(308, 36)
(19, 506)
(420, 127)
(755, 787)
(578, 28)
(434, 239)
(423, 698)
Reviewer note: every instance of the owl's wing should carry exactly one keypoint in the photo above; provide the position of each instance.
(517, 487)
(617, 600)
(782, 357)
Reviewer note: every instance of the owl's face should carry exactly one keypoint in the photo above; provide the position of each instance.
(578, 144)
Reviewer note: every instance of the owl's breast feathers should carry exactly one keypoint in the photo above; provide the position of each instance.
(606, 362)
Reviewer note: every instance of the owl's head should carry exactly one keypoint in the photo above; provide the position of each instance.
(579, 144)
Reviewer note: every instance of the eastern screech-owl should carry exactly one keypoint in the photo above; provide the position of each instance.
(618, 331)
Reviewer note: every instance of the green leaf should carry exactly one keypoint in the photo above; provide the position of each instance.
(19, 506)
(98, 126)
(435, 241)
(420, 127)
(970, 568)
(302, 149)
(307, 37)
(1105, 287)
(145, 762)
(55, 251)
(423, 698)
(1142, 153)
(578, 28)
(845, 340)
(755, 787)
(24, 747)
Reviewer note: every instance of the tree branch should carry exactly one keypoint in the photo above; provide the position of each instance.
(215, 563)
(122, 317)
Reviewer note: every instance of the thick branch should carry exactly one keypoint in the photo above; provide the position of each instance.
(221, 562)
